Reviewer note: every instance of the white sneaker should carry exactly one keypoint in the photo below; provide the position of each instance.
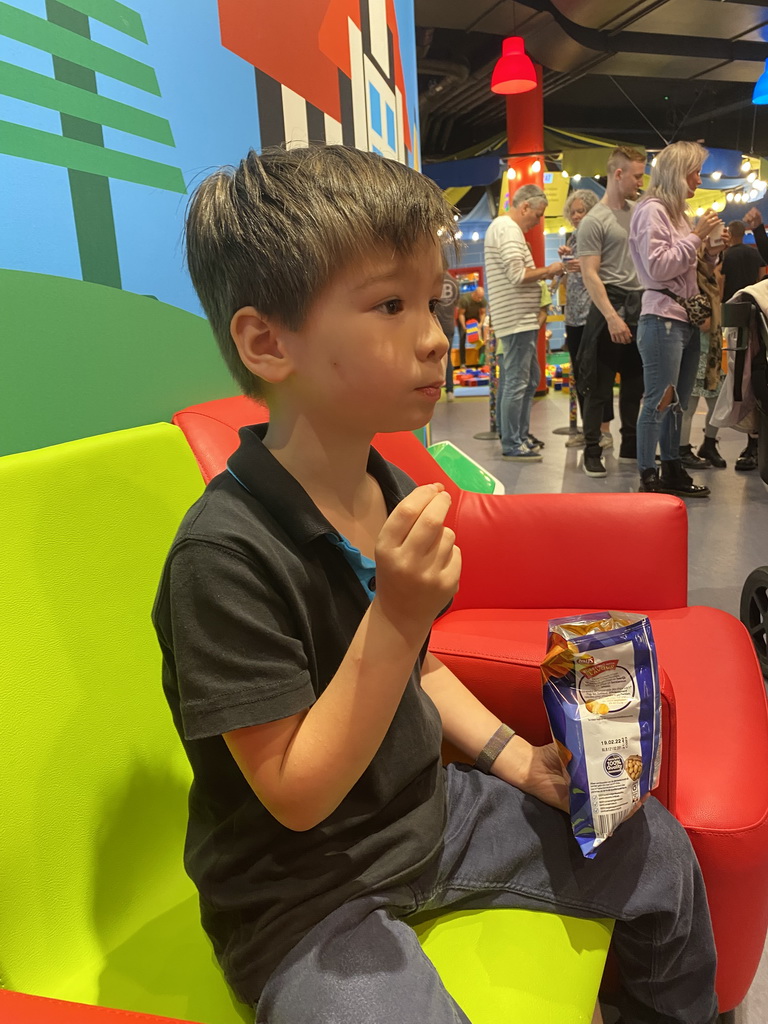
(523, 454)
(606, 440)
(575, 441)
(449, 396)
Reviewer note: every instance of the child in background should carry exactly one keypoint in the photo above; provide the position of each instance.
(294, 615)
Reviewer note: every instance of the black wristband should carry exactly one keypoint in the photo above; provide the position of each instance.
(493, 748)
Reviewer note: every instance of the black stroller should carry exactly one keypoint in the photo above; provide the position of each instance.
(752, 345)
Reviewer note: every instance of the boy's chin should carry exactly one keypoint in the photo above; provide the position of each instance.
(403, 423)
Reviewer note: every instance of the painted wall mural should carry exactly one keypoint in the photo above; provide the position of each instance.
(109, 115)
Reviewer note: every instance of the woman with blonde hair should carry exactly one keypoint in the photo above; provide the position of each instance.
(664, 246)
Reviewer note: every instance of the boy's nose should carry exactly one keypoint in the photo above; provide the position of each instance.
(435, 340)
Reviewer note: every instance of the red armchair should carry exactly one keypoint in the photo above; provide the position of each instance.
(626, 552)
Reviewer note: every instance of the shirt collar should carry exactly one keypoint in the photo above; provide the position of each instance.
(256, 469)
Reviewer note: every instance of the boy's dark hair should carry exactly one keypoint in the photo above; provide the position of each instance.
(273, 232)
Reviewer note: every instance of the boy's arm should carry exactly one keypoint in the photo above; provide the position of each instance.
(302, 767)
(468, 724)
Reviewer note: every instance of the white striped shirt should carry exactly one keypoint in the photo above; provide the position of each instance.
(514, 305)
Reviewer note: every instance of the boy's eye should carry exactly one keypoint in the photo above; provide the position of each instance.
(392, 306)
(433, 304)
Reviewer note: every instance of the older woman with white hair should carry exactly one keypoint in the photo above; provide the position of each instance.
(577, 300)
(664, 246)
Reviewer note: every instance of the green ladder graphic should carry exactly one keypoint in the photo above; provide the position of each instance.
(65, 34)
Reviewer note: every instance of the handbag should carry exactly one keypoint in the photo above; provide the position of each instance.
(698, 308)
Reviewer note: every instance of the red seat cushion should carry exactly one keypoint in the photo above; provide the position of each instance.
(715, 722)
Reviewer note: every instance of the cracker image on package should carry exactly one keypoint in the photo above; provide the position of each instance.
(601, 693)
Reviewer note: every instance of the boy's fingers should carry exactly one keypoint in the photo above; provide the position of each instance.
(403, 517)
(429, 526)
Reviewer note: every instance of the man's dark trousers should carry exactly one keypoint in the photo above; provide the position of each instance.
(600, 360)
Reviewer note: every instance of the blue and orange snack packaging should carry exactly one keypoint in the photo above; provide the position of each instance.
(601, 692)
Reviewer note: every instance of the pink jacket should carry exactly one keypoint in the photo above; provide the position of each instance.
(664, 255)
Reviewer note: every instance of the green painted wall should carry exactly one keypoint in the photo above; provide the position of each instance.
(81, 359)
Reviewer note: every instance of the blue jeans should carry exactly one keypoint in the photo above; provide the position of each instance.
(670, 353)
(517, 386)
(502, 848)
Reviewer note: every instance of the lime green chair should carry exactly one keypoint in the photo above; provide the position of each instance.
(95, 907)
(463, 470)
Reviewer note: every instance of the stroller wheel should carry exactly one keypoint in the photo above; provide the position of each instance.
(754, 612)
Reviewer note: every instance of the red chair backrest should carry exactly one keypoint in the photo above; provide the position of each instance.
(211, 431)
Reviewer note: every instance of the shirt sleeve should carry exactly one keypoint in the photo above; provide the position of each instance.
(589, 237)
(238, 655)
(761, 241)
(663, 256)
(515, 255)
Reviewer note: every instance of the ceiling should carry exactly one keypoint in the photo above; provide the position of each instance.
(642, 71)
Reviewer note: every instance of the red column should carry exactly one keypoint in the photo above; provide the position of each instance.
(525, 134)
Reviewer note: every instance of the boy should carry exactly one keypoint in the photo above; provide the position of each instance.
(294, 613)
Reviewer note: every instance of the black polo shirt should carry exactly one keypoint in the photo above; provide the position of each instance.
(254, 614)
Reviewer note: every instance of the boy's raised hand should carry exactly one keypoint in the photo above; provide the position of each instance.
(417, 561)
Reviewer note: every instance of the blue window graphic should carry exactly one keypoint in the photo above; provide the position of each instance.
(374, 102)
(390, 127)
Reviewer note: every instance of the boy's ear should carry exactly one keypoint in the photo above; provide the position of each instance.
(258, 342)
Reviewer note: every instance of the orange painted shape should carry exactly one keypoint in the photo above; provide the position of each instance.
(333, 38)
(283, 41)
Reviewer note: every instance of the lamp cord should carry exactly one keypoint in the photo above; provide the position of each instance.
(665, 141)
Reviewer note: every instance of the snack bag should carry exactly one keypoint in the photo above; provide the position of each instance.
(601, 692)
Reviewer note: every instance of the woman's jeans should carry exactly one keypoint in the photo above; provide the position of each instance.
(516, 389)
(670, 353)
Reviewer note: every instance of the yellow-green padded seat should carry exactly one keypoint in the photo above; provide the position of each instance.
(518, 965)
(94, 904)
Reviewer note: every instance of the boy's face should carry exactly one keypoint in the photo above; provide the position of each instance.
(371, 355)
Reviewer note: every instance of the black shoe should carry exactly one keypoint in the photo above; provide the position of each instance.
(691, 460)
(534, 442)
(709, 452)
(674, 480)
(748, 458)
(628, 449)
(649, 482)
(593, 462)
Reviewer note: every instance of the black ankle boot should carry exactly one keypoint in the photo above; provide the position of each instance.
(748, 458)
(709, 451)
(649, 482)
(675, 480)
(691, 460)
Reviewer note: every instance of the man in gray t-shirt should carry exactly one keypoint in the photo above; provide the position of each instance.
(445, 311)
(608, 345)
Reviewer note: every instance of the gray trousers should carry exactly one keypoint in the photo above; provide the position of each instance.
(364, 965)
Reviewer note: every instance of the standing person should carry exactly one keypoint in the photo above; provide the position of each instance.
(294, 614)
(741, 265)
(514, 295)
(471, 307)
(664, 247)
(608, 344)
(753, 220)
(577, 300)
(445, 311)
(709, 377)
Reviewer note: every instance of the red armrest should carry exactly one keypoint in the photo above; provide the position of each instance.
(19, 1008)
(628, 552)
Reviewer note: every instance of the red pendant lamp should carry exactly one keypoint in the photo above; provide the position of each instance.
(514, 71)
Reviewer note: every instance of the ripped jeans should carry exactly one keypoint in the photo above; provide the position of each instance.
(670, 353)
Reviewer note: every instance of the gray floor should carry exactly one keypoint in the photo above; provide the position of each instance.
(728, 533)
